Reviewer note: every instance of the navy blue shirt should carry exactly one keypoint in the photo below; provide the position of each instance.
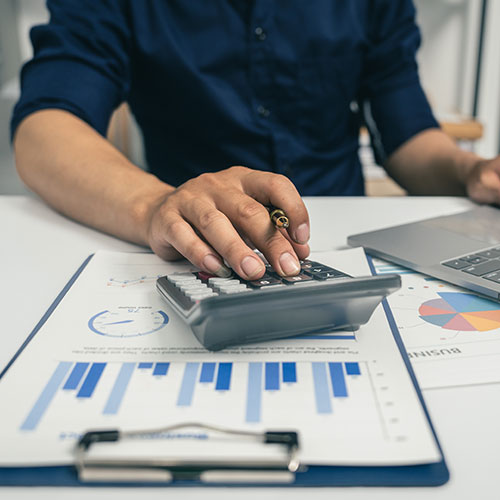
(276, 85)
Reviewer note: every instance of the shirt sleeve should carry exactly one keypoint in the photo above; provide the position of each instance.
(397, 104)
(80, 62)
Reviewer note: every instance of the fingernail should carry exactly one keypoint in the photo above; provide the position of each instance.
(302, 233)
(251, 266)
(289, 264)
(215, 266)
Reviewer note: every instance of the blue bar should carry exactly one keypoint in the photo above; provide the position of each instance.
(187, 386)
(224, 377)
(93, 376)
(207, 372)
(145, 365)
(254, 392)
(289, 372)
(119, 388)
(323, 402)
(161, 368)
(75, 376)
(272, 377)
(45, 398)
(352, 369)
(338, 380)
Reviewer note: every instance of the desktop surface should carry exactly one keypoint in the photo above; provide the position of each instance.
(41, 250)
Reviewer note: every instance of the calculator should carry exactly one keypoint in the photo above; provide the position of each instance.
(224, 312)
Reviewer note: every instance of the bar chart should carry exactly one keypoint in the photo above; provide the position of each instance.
(252, 388)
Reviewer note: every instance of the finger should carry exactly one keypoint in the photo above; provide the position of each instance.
(302, 251)
(495, 164)
(220, 233)
(252, 218)
(490, 185)
(279, 191)
(178, 237)
(491, 180)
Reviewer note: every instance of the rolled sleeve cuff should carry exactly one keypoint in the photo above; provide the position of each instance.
(400, 114)
(69, 85)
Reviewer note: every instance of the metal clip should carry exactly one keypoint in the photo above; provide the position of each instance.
(169, 470)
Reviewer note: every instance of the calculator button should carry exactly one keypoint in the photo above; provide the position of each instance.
(239, 286)
(307, 264)
(206, 277)
(300, 278)
(317, 270)
(191, 285)
(320, 269)
(327, 275)
(212, 281)
(180, 277)
(195, 292)
(266, 280)
(234, 289)
(225, 284)
(203, 296)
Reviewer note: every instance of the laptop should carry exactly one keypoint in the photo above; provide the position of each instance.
(463, 249)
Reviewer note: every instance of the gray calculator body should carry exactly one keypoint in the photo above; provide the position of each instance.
(273, 312)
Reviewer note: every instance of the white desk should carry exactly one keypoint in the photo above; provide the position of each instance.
(40, 250)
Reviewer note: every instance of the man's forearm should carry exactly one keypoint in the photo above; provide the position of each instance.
(83, 176)
(431, 164)
(80, 174)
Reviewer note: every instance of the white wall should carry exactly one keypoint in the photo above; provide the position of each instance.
(448, 61)
(30, 12)
(448, 57)
(489, 95)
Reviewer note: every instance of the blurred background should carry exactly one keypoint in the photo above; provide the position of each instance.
(459, 67)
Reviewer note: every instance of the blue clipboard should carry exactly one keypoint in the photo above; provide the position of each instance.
(433, 474)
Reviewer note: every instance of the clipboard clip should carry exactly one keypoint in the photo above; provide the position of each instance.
(168, 470)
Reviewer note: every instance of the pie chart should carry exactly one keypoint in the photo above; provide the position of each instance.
(461, 311)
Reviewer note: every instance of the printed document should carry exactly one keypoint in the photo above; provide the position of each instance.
(114, 355)
(452, 335)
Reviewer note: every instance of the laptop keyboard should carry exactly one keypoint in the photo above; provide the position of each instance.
(484, 264)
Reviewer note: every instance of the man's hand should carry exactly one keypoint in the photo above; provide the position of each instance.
(483, 181)
(207, 219)
(430, 163)
(211, 218)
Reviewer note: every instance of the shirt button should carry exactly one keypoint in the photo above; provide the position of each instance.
(260, 33)
(263, 111)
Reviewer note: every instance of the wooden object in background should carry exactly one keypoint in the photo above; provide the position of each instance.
(463, 129)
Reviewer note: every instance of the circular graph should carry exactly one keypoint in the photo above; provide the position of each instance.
(461, 311)
(127, 322)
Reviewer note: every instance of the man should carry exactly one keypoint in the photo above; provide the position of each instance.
(274, 85)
